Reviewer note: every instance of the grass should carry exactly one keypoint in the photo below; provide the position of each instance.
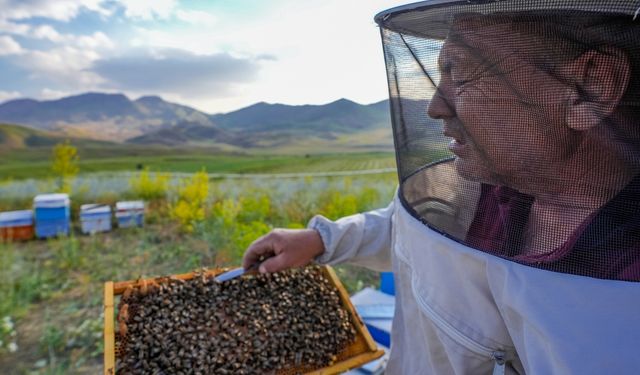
(35, 162)
(51, 290)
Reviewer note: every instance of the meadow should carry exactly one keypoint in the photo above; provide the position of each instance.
(34, 162)
(51, 290)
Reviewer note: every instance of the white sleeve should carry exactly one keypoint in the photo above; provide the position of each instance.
(362, 239)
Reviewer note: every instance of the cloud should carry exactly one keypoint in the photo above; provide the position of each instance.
(8, 46)
(177, 72)
(144, 10)
(13, 27)
(60, 10)
(47, 32)
(267, 57)
(65, 66)
(50, 94)
(148, 9)
(196, 17)
(8, 95)
(97, 40)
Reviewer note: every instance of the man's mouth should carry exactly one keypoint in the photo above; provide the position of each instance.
(457, 144)
(457, 148)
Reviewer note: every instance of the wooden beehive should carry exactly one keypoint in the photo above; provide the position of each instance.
(16, 225)
(362, 350)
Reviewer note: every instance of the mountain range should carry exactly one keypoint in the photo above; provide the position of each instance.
(152, 120)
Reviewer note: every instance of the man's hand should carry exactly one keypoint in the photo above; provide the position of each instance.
(284, 248)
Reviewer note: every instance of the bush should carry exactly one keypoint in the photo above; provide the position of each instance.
(256, 206)
(65, 164)
(189, 207)
(237, 223)
(150, 187)
(338, 204)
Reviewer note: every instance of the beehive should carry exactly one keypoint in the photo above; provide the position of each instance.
(359, 351)
(52, 215)
(130, 214)
(16, 225)
(95, 218)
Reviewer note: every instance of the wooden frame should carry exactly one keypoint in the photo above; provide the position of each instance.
(361, 351)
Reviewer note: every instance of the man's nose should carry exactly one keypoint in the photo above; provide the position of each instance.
(440, 106)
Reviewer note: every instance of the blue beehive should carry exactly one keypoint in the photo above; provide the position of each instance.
(130, 214)
(95, 218)
(386, 283)
(376, 309)
(52, 215)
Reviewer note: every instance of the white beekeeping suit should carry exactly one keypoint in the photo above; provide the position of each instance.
(514, 236)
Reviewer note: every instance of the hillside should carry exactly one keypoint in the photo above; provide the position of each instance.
(14, 137)
(186, 133)
(343, 116)
(99, 116)
(341, 123)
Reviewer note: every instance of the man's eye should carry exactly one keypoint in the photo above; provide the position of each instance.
(460, 77)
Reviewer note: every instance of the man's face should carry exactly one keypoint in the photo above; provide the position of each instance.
(505, 115)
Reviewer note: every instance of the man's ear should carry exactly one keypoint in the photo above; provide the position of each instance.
(599, 80)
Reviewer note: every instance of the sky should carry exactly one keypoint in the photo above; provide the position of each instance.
(214, 55)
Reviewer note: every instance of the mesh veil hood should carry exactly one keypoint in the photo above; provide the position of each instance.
(517, 128)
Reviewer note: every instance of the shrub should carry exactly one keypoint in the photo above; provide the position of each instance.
(189, 207)
(237, 223)
(256, 206)
(65, 164)
(150, 187)
(227, 211)
(338, 204)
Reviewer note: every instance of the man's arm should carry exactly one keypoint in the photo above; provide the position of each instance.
(362, 239)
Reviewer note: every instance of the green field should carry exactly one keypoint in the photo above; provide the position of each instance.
(27, 153)
(35, 162)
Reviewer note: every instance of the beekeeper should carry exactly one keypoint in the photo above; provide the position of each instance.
(514, 236)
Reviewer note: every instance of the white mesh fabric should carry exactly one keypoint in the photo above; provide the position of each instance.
(517, 128)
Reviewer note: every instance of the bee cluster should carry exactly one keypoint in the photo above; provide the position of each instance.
(259, 324)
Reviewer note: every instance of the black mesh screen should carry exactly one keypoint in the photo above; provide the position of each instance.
(517, 128)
